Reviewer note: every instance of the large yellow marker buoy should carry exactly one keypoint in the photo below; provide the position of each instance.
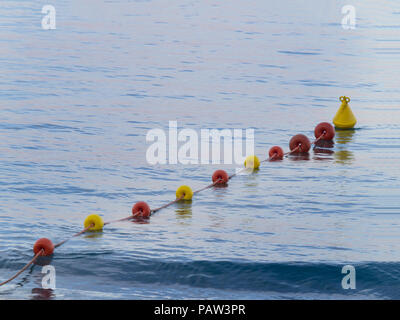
(344, 118)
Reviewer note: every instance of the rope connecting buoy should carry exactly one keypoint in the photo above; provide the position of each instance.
(252, 162)
(184, 192)
(141, 209)
(220, 177)
(324, 131)
(43, 244)
(344, 118)
(93, 222)
(276, 153)
(299, 143)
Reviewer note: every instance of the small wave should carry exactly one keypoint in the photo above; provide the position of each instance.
(289, 279)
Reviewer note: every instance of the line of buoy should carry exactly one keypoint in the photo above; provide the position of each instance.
(297, 144)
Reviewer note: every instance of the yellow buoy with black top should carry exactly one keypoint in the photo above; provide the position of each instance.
(344, 118)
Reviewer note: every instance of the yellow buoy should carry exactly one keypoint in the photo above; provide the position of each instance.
(185, 192)
(95, 220)
(252, 162)
(344, 118)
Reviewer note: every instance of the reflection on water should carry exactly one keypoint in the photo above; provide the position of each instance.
(299, 156)
(93, 234)
(43, 260)
(140, 220)
(322, 154)
(25, 279)
(221, 186)
(343, 137)
(323, 151)
(344, 156)
(42, 294)
(325, 144)
(184, 210)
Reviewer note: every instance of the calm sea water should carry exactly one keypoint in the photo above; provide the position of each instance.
(76, 104)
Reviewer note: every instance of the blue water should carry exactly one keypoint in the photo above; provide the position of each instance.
(76, 104)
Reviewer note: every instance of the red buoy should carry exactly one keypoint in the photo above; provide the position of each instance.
(220, 175)
(46, 245)
(276, 153)
(141, 209)
(301, 142)
(325, 129)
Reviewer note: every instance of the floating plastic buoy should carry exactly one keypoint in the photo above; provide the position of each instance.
(220, 175)
(141, 209)
(46, 245)
(301, 142)
(276, 153)
(344, 118)
(184, 191)
(252, 162)
(324, 127)
(96, 220)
